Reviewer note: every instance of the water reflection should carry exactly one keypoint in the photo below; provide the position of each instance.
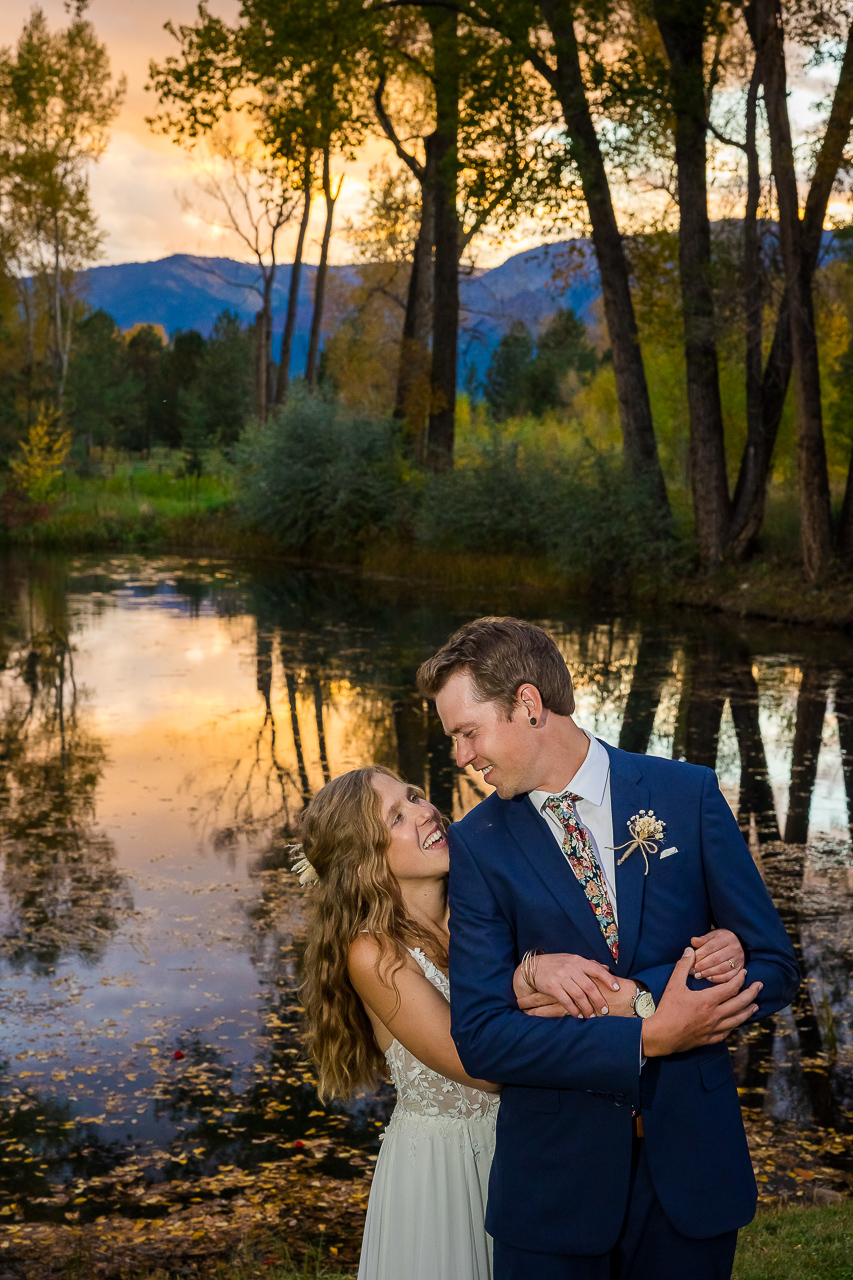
(62, 892)
(162, 726)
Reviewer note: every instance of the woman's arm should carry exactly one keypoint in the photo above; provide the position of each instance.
(571, 984)
(415, 1013)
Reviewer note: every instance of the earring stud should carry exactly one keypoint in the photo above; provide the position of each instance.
(532, 719)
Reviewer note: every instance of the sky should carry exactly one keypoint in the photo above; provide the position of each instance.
(138, 184)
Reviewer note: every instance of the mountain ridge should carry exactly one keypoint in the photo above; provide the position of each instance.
(188, 291)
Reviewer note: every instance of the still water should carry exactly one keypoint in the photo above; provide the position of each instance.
(162, 723)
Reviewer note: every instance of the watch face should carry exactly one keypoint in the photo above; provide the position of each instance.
(644, 1004)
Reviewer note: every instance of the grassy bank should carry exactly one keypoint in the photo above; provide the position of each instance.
(145, 507)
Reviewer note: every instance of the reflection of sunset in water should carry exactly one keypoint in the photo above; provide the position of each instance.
(162, 726)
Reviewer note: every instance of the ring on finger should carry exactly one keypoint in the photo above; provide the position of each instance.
(732, 963)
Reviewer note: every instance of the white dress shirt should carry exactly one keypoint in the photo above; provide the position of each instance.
(592, 784)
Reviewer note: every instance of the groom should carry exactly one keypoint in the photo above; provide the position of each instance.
(620, 1151)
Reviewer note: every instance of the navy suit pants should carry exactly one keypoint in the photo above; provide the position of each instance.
(648, 1248)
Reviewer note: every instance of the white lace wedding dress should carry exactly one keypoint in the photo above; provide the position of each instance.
(425, 1217)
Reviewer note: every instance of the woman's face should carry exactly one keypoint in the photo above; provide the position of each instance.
(418, 848)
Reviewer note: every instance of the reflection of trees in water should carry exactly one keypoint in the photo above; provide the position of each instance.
(64, 895)
(808, 1077)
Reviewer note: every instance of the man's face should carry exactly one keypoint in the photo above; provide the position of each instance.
(504, 751)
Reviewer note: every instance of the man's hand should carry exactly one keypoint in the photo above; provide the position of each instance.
(685, 1019)
(580, 987)
(718, 955)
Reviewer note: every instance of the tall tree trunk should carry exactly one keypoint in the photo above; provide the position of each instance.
(815, 511)
(635, 413)
(682, 24)
(445, 324)
(293, 291)
(322, 272)
(755, 471)
(754, 466)
(412, 398)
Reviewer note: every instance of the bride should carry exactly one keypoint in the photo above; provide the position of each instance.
(376, 1000)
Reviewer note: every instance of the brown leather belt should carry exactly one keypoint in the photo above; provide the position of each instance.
(637, 1123)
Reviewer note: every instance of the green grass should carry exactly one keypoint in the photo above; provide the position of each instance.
(798, 1244)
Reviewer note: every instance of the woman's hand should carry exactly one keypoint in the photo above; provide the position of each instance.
(569, 984)
(718, 955)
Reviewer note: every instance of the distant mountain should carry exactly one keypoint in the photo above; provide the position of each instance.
(187, 292)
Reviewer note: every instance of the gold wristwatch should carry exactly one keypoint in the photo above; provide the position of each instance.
(643, 1003)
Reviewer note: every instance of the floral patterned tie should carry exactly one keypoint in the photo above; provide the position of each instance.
(580, 855)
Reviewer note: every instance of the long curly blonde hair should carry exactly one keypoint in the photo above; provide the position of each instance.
(345, 839)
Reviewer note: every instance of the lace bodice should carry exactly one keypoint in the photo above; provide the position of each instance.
(421, 1090)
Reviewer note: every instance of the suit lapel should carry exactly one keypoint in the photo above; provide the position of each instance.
(628, 796)
(533, 837)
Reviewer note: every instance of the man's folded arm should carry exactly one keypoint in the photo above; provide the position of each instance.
(495, 1040)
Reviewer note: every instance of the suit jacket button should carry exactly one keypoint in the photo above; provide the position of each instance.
(619, 1099)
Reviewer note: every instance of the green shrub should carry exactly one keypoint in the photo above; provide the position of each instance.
(582, 510)
(319, 472)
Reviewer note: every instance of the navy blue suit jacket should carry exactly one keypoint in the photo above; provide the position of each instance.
(559, 1181)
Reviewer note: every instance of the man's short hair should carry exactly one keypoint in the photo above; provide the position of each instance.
(500, 654)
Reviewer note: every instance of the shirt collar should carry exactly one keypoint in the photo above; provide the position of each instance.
(590, 781)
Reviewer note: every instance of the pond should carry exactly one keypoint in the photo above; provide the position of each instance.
(162, 723)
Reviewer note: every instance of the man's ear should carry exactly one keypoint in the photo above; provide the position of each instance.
(529, 700)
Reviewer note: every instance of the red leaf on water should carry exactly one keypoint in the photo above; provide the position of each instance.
(177, 1055)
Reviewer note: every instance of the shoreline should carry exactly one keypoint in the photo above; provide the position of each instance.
(766, 588)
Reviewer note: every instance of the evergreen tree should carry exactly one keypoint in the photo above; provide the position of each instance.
(505, 385)
(562, 349)
(103, 396)
(146, 350)
(227, 390)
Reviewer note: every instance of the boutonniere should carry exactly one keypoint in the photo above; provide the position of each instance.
(646, 833)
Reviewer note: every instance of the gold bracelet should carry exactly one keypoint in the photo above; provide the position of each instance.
(528, 967)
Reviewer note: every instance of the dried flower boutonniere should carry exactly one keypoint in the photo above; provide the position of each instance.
(646, 833)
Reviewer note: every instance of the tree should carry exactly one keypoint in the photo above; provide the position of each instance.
(815, 513)
(479, 145)
(57, 102)
(505, 386)
(145, 353)
(227, 379)
(249, 193)
(684, 26)
(521, 380)
(284, 71)
(562, 349)
(565, 44)
(103, 400)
